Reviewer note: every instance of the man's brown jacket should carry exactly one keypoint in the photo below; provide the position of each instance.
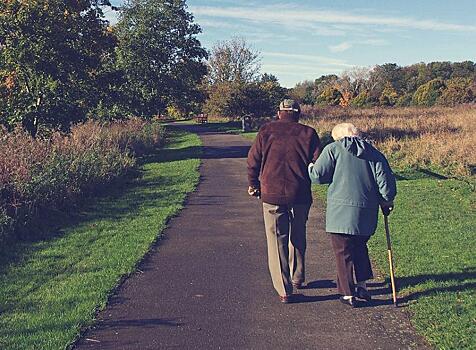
(278, 160)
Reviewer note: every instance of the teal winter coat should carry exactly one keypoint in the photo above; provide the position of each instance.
(360, 178)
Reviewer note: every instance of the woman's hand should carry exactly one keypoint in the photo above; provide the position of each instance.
(387, 207)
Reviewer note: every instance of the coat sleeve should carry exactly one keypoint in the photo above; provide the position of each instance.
(255, 157)
(322, 171)
(385, 179)
(315, 146)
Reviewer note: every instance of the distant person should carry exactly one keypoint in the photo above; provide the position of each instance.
(277, 172)
(360, 181)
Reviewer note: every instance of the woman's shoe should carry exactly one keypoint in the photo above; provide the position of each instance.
(363, 293)
(348, 301)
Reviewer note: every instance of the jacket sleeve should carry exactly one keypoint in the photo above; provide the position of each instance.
(255, 157)
(385, 179)
(322, 171)
(315, 146)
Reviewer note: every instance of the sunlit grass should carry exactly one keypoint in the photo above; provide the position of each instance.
(434, 244)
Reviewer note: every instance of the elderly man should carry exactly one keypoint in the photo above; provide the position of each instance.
(277, 171)
(360, 181)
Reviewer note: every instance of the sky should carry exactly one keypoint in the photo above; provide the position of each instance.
(302, 40)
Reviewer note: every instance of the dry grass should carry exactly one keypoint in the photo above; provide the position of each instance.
(437, 137)
(59, 170)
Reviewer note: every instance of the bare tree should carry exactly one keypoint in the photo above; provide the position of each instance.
(233, 61)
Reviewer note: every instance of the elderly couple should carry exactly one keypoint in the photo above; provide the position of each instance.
(285, 157)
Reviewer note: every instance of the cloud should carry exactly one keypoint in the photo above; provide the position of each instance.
(291, 15)
(315, 59)
(340, 47)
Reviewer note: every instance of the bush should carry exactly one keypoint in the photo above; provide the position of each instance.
(457, 91)
(427, 94)
(48, 173)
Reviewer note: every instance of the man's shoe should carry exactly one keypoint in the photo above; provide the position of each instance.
(298, 285)
(285, 299)
(363, 293)
(348, 301)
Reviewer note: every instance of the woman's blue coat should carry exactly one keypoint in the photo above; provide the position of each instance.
(360, 178)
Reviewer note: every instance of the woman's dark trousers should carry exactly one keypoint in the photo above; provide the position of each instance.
(351, 256)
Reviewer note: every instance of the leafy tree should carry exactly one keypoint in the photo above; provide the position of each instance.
(159, 56)
(389, 95)
(466, 69)
(405, 100)
(381, 75)
(361, 100)
(330, 96)
(51, 52)
(427, 94)
(304, 92)
(457, 90)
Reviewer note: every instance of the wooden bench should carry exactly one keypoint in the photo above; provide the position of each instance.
(201, 119)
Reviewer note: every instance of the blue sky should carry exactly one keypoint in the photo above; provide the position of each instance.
(302, 40)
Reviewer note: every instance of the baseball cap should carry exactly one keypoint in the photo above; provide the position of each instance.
(289, 105)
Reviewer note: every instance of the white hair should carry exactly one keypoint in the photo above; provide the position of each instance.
(344, 130)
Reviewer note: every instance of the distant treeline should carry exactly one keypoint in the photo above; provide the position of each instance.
(421, 84)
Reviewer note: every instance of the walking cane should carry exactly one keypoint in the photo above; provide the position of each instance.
(390, 260)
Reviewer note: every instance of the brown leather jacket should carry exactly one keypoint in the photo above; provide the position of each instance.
(278, 160)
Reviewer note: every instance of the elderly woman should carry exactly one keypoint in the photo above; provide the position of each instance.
(360, 181)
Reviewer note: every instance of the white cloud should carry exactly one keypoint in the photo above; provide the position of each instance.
(290, 15)
(315, 59)
(340, 47)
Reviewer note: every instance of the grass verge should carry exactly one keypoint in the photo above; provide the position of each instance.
(434, 245)
(51, 289)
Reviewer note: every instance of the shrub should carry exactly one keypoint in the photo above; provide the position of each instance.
(48, 173)
(457, 91)
(427, 94)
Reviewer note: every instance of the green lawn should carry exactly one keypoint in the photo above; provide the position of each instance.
(434, 248)
(51, 289)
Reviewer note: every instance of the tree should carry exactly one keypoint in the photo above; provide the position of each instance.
(159, 56)
(427, 94)
(389, 95)
(304, 92)
(330, 96)
(233, 61)
(457, 90)
(51, 51)
(234, 85)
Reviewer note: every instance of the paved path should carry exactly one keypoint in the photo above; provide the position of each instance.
(206, 284)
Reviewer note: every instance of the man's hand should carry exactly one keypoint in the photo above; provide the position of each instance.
(255, 192)
(387, 207)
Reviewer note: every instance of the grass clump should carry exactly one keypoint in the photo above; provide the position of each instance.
(44, 174)
(51, 289)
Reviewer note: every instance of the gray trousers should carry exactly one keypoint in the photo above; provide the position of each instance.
(285, 227)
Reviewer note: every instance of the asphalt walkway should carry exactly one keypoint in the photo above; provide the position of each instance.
(206, 285)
